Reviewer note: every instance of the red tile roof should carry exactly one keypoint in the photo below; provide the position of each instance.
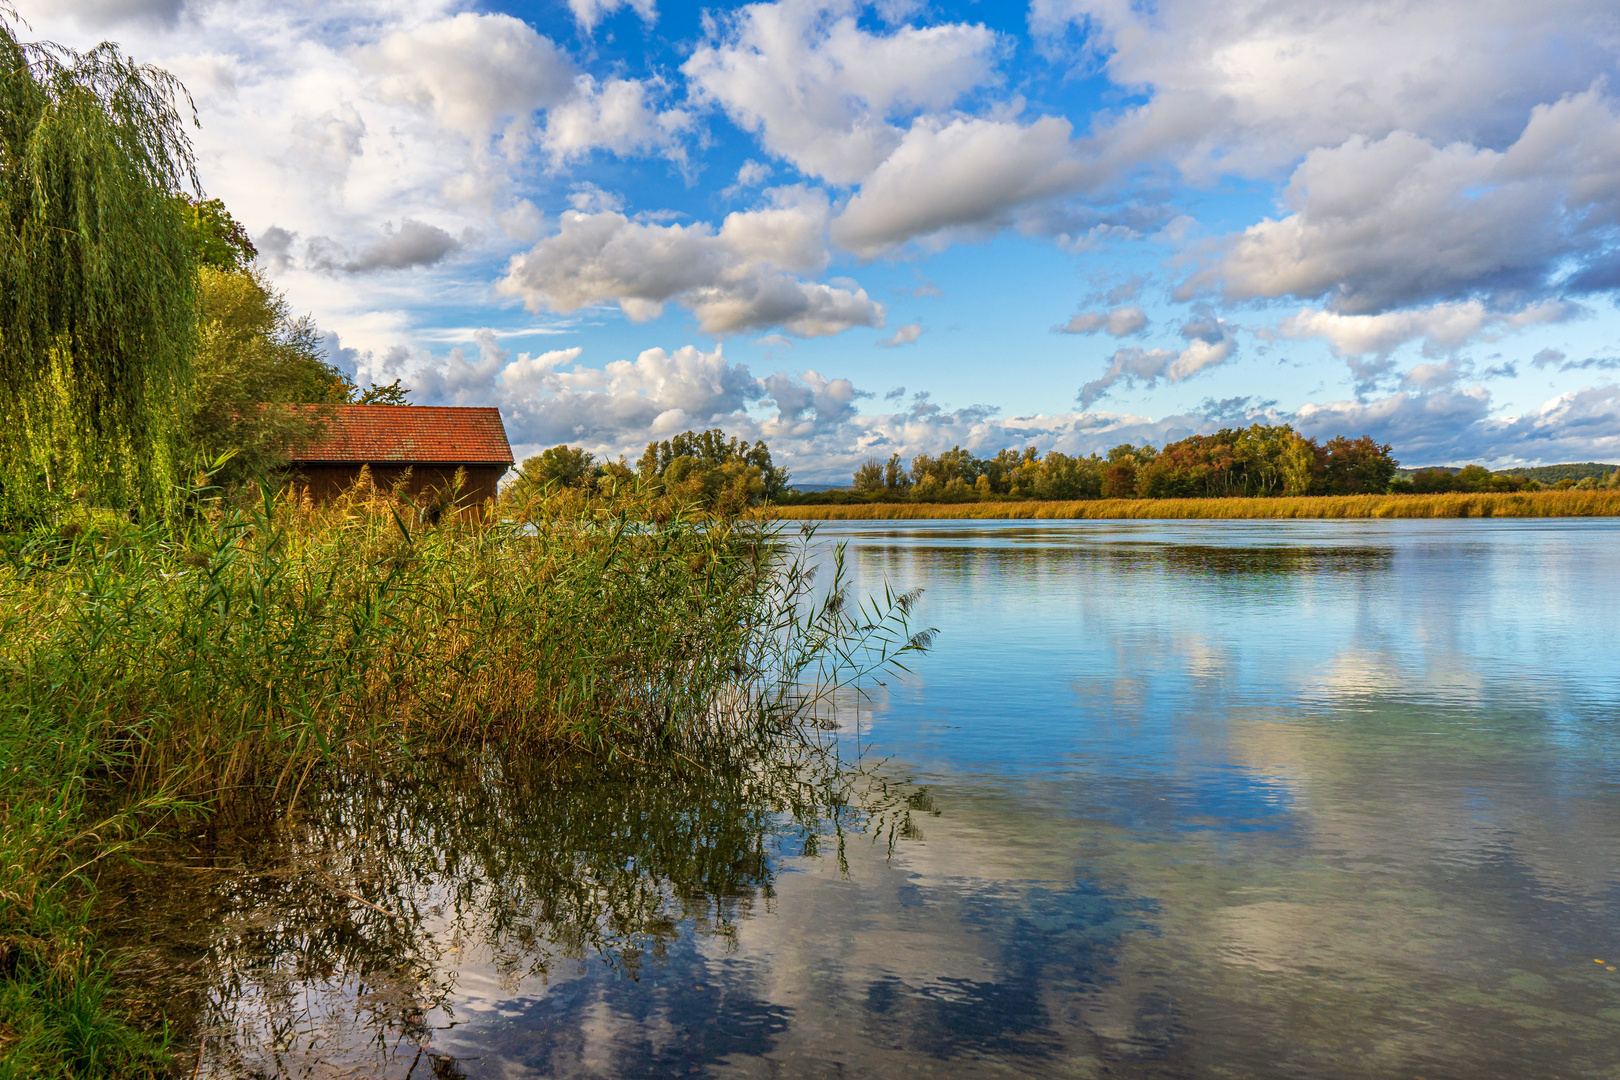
(418, 434)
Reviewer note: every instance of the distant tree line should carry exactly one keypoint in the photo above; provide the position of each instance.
(1574, 471)
(1474, 478)
(1254, 461)
(723, 472)
(706, 467)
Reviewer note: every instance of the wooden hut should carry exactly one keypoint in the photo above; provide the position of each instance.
(421, 444)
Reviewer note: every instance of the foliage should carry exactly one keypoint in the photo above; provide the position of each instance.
(97, 275)
(710, 468)
(1259, 461)
(382, 394)
(252, 359)
(1477, 478)
(1470, 478)
(565, 467)
(573, 624)
(877, 479)
(220, 240)
(244, 652)
(1551, 474)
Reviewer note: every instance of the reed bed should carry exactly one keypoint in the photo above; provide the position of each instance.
(243, 656)
(1489, 504)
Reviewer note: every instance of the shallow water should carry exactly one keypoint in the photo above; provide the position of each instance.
(1311, 799)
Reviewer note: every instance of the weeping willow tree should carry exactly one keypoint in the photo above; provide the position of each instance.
(98, 276)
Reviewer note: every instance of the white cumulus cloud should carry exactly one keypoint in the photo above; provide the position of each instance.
(471, 71)
(1455, 425)
(1441, 327)
(617, 115)
(820, 91)
(587, 13)
(1247, 86)
(967, 173)
(736, 278)
(1380, 224)
(1210, 342)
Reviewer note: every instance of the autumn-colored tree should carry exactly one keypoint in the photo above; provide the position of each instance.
(1199, 466)
(1263, 459)
(1356, 466)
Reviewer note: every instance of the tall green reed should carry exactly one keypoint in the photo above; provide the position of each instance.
(257, 641)
(227, 659)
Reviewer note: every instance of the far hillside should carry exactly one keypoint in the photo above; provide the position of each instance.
(1551, 474)
(1541, 474)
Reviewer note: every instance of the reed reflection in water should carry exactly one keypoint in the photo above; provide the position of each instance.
(1263, 799)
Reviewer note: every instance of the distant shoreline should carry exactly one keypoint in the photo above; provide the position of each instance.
(1455, 505)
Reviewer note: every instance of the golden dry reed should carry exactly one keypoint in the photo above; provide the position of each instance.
(1455, 505)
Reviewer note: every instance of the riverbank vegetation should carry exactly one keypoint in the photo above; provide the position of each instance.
(1477, 478)
(1567, 503)
(246, 653)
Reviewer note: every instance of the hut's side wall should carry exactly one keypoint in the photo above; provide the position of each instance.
(327, 480)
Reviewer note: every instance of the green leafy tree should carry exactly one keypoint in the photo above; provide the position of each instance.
(1065, 477)
(553, 469)
(882, 480)
(717, 469)
(219, 239)
(384, 394)
(955, 466)
(98, 275)
(868, 479)
(253, 360)
(1262, 453)
(895, 480)
(1470, 478)
(1301, 464)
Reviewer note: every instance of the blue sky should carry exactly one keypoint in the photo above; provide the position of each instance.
(863, 229)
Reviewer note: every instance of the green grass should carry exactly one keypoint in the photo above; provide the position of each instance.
(1494, 504)
(240, 658)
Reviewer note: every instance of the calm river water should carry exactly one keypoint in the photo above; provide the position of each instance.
(1314, 799)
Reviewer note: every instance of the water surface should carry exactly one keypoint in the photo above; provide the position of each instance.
(1311, 799)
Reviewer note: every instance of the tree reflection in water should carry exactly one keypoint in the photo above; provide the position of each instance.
(338, 940)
